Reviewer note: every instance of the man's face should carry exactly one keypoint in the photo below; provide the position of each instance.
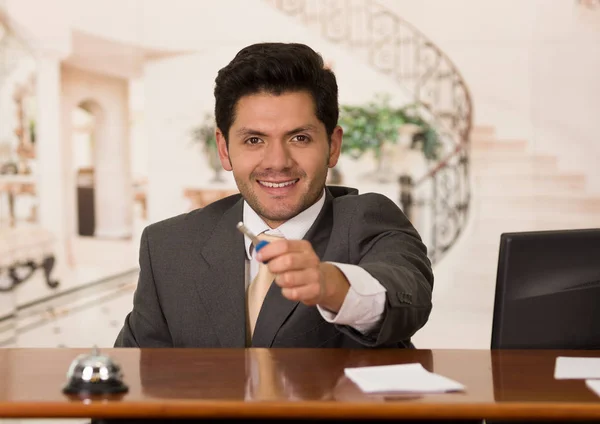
(279, 153)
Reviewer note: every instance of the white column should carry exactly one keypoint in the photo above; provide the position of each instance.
(50, 151)
(114, 197)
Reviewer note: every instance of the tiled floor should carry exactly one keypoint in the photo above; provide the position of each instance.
(88, 317)
(89, 305)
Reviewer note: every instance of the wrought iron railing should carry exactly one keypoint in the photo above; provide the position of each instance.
(439, 198)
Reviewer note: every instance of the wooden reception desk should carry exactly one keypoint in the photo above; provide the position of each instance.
(302, 383)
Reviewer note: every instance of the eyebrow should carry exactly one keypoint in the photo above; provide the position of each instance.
(244, 131)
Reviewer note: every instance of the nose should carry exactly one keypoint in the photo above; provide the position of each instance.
(277, 156)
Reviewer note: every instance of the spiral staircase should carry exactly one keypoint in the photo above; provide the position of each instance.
(430, 80)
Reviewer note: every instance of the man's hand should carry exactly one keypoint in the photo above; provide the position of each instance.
(302, 276)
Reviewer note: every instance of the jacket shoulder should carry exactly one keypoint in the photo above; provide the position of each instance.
(354, 202)
(197, 222)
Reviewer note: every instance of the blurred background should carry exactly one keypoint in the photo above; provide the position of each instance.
(475, 117)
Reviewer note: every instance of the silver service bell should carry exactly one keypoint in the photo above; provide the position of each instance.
(94, 374)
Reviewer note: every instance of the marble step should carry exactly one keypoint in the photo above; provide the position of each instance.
(511, 159)
(516, 155)
(494, 146)
(519, 184)
(484, 249)
(538, 203)
(483, 131)
(519, 165)
(505, 224)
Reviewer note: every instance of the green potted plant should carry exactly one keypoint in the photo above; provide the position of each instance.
(425, 137)
(372, 126)
(205, 135)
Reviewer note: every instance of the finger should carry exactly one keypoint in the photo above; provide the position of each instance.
(293, 262)
(280, 247)
(309, 295)
(299, 278)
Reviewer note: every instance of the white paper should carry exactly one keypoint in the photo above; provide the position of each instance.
(576, 368)
(594, 386)
(406, 378)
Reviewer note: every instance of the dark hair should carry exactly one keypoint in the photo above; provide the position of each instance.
(276, 68)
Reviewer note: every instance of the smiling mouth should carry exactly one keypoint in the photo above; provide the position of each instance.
(282, 184)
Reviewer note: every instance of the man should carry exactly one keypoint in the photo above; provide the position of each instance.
(346, 270)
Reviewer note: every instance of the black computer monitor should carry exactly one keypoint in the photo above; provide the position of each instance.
(548, 290)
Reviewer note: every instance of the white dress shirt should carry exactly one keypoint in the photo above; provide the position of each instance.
(363, 306)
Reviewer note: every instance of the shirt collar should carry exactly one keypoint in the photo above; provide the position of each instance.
(293, 229)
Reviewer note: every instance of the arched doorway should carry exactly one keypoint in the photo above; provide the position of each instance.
(101, 143)
(86, 123)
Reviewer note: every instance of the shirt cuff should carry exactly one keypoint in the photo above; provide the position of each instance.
(364, 304)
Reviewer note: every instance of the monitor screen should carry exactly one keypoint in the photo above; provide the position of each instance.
(548, 290)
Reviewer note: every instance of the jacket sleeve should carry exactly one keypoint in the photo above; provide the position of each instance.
(145, 325)
(382, 241)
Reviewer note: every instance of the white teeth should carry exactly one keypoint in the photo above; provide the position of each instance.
(278, 185)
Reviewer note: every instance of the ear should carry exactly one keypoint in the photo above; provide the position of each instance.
(335, 147)
(223, 150)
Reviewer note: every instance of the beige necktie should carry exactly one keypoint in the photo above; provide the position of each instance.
(259, 287)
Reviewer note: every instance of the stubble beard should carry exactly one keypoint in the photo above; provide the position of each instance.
(284, 212)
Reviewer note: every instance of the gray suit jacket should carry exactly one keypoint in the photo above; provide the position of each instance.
(191, 291)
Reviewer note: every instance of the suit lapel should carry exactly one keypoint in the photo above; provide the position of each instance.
(276, 308)
(221, 286)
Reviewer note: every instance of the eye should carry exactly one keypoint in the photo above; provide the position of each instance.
(301, 138)
(253, 141)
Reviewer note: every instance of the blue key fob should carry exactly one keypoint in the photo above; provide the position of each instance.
(260, 245)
